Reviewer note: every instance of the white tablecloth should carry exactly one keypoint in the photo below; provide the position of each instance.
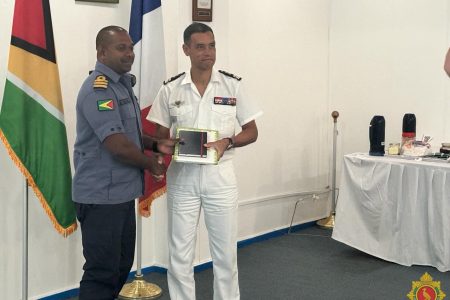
(396, 209)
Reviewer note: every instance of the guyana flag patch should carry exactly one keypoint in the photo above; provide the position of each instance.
(107, 104)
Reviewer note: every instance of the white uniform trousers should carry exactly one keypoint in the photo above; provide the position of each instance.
(212, 187)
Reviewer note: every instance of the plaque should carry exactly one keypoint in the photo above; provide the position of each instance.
(191, 147)
(202, 10)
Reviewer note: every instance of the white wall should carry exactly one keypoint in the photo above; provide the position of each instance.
(386, 58)
(280, 50)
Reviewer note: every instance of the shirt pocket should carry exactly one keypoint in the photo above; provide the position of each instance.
(224, 117)
(181, 116)
(84, 154)
(127, 114)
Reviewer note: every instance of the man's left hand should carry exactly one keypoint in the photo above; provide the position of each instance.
(167, 146)
(220, 146)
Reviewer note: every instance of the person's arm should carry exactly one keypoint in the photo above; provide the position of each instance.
(162, 132)
(127, 152)
(161, 145)
(248, 135)
(447, 63)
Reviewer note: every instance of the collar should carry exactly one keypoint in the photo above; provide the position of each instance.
(110, 73)
(188, 79)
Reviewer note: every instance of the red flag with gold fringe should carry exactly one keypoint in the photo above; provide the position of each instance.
(146, 31)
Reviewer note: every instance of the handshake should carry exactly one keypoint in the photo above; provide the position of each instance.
(155, 164)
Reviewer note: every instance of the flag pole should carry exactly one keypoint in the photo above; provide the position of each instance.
(25, 243)
(328, 223)
(139, 288)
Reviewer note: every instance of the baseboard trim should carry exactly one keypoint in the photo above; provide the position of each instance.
(204, 266)
(273, 234)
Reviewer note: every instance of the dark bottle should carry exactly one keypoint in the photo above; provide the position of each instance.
(409, 125)
(376, 136)
(408, 133)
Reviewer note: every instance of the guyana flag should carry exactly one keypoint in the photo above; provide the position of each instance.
(32, 117)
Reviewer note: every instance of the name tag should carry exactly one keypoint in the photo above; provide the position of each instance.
(124, 101)
(225, 101)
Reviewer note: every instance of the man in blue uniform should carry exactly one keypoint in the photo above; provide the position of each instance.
(208, 99)
(109, 164)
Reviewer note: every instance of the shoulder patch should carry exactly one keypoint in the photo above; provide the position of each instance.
(173, 78)
(107, 104)
(230, 75)
(100, 82)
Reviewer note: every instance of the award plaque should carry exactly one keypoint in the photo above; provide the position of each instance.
(202, 10)
(191, 147)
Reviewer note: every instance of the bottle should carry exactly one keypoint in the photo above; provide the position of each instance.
(408, 133)
(376, 136)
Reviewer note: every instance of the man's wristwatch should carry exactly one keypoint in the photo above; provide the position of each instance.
(230, 143)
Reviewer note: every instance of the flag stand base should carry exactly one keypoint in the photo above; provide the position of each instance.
(140, 289)
(327, 223)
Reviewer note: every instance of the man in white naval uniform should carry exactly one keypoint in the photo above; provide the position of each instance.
(208, 99)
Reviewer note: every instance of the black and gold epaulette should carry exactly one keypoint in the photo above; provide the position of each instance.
(100, 82)
(173, 78)
(230, 75)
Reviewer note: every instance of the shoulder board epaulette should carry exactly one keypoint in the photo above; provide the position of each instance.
(173, 78)
(230, 75)
(100, 82)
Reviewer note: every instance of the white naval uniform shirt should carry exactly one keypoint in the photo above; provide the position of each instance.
(179, 104)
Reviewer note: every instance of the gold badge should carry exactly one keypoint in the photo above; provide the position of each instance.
(100, 82)
(426, 289)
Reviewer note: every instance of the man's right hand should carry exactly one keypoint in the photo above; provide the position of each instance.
(155, 165)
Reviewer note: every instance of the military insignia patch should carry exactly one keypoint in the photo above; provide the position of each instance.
(107, 104)
(100, 82)
(225, 101)
(230, 75)
(178, 103)
(173, 78)
(426, 289)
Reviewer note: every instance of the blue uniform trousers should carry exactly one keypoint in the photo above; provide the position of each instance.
(108, 237)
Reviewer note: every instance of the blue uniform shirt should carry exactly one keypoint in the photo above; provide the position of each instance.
(106, 105)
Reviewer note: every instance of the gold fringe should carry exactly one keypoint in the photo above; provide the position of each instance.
(64, 231)
(145, 204)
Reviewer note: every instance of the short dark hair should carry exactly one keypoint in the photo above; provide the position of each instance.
(195, 28)
(104, 35)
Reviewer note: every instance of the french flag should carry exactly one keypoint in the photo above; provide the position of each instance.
(146, 31)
